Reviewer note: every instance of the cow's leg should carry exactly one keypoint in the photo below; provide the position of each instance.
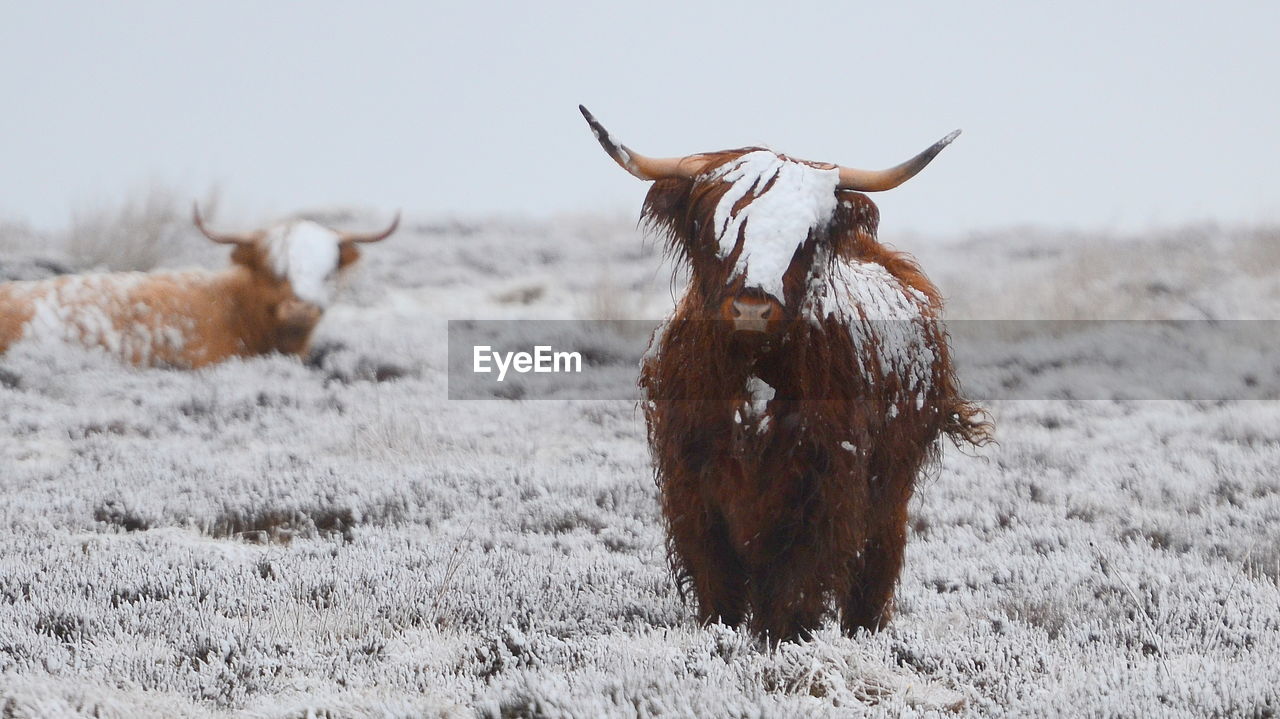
(788, 581)
(788, 543)
(874, 573)
(701, 550)
(699, 546)
(874, 576)
(787, 596)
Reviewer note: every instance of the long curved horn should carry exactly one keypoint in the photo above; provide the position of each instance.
(371, 236)
(226, 238)
(643, 167)
(879, 180)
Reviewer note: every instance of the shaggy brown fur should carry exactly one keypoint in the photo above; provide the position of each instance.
(772, 518)
(168, 319)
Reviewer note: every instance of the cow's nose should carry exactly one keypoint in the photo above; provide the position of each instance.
(752, 314)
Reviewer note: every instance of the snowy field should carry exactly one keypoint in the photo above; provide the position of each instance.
(275, 538)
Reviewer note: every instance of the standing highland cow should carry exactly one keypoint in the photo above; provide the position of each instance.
(798, 390)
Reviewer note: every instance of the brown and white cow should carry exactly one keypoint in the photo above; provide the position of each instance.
(269, 300)
(798, 390)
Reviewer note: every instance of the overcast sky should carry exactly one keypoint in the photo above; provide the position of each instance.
(1083, 114)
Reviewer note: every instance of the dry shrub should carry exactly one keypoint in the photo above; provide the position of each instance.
(147, 230)
(15, 236)
(1258, 251)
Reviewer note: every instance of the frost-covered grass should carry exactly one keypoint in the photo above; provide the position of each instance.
(334, 538)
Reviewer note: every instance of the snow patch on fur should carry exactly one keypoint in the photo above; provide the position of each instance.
(882, 315)
(778, 220)
(306, 254)
(91, 311)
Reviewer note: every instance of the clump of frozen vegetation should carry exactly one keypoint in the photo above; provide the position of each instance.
(275, 538)
(151, 228)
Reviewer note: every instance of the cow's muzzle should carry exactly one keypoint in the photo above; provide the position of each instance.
(752, 313)
(296, 314)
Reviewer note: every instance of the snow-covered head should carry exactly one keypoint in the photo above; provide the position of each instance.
(306, 255)
(754, 225)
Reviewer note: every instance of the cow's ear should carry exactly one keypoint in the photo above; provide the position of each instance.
(857, 219)
(667, 210)
(348, 253)
(249, 256)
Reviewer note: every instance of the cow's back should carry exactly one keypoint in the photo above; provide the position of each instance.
(143, 319)
(15, 311)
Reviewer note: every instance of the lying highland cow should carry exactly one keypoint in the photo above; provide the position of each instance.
(798, 390)
(269, 300)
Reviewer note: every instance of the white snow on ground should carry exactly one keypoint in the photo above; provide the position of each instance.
(272, 538)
